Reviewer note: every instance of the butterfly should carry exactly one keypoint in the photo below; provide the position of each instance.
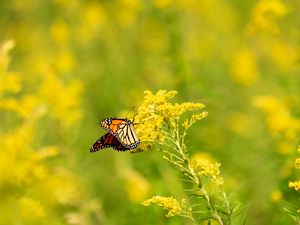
(121, 135)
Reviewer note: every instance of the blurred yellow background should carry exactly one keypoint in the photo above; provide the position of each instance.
(65, 65)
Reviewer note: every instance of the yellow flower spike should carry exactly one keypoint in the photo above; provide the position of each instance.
(204, 168)
(171, 132)
(5, 48)
(170, 204)
(195, 117)
(156, 111)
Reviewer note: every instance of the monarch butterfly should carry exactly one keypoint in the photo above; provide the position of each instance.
(121, 135)
(106, 141)
(123, 130)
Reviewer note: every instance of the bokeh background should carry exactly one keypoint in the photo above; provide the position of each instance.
(64, 65)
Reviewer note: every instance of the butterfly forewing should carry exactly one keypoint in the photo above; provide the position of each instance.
(111, 124)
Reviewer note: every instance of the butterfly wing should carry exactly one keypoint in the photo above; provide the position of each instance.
(127, 136)
(123, 131)
(111, 124)
(106, 141)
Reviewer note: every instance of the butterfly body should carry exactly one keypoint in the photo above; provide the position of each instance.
(121, 135)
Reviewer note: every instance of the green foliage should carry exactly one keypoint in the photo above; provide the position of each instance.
(64, 65)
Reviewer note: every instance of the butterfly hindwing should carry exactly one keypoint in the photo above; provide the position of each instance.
(106, 141)
(126, 134)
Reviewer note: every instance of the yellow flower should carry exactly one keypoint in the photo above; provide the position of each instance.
(11, 83)
(31, 210)
(239, 123)
(162, 3)
(137, 186)
(65, 61)
(295, 185)
(276, 196)
(205, 168)
(156, 112)
(244, 67)
(264, 16)
(94, 15)
(60, 32)
(279, 120)
(126, 12)
(62, 100)
(170, 204)
(297, 163)
(284, 54)
(4, 58)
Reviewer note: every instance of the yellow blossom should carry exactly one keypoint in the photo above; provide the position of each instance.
(93, 15)
(162, 3)
(244, 67)
(284, 55)
(11, 83)
(65, 61)
(170, 204)
(239, 123)
(205, 168)
(156, 111)
(4, 58)
(61, 99)
(295, 185)
(31, 210)
(297, 163)
(264, 16)
(60, 32)
(279, 120)
(127, 12)
(276, 196)
(137, 186)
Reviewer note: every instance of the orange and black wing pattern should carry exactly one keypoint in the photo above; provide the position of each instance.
(111, 124)
(106, 141)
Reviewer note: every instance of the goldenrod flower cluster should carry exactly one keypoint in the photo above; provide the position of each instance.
(156, 113)
(296, 184)
(205, 168)
(136, 185)
(167, 121)
(32, 186)
(280, 120)
(170, 204)
(264, 16)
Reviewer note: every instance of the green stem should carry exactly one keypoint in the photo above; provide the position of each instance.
(215, 214)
